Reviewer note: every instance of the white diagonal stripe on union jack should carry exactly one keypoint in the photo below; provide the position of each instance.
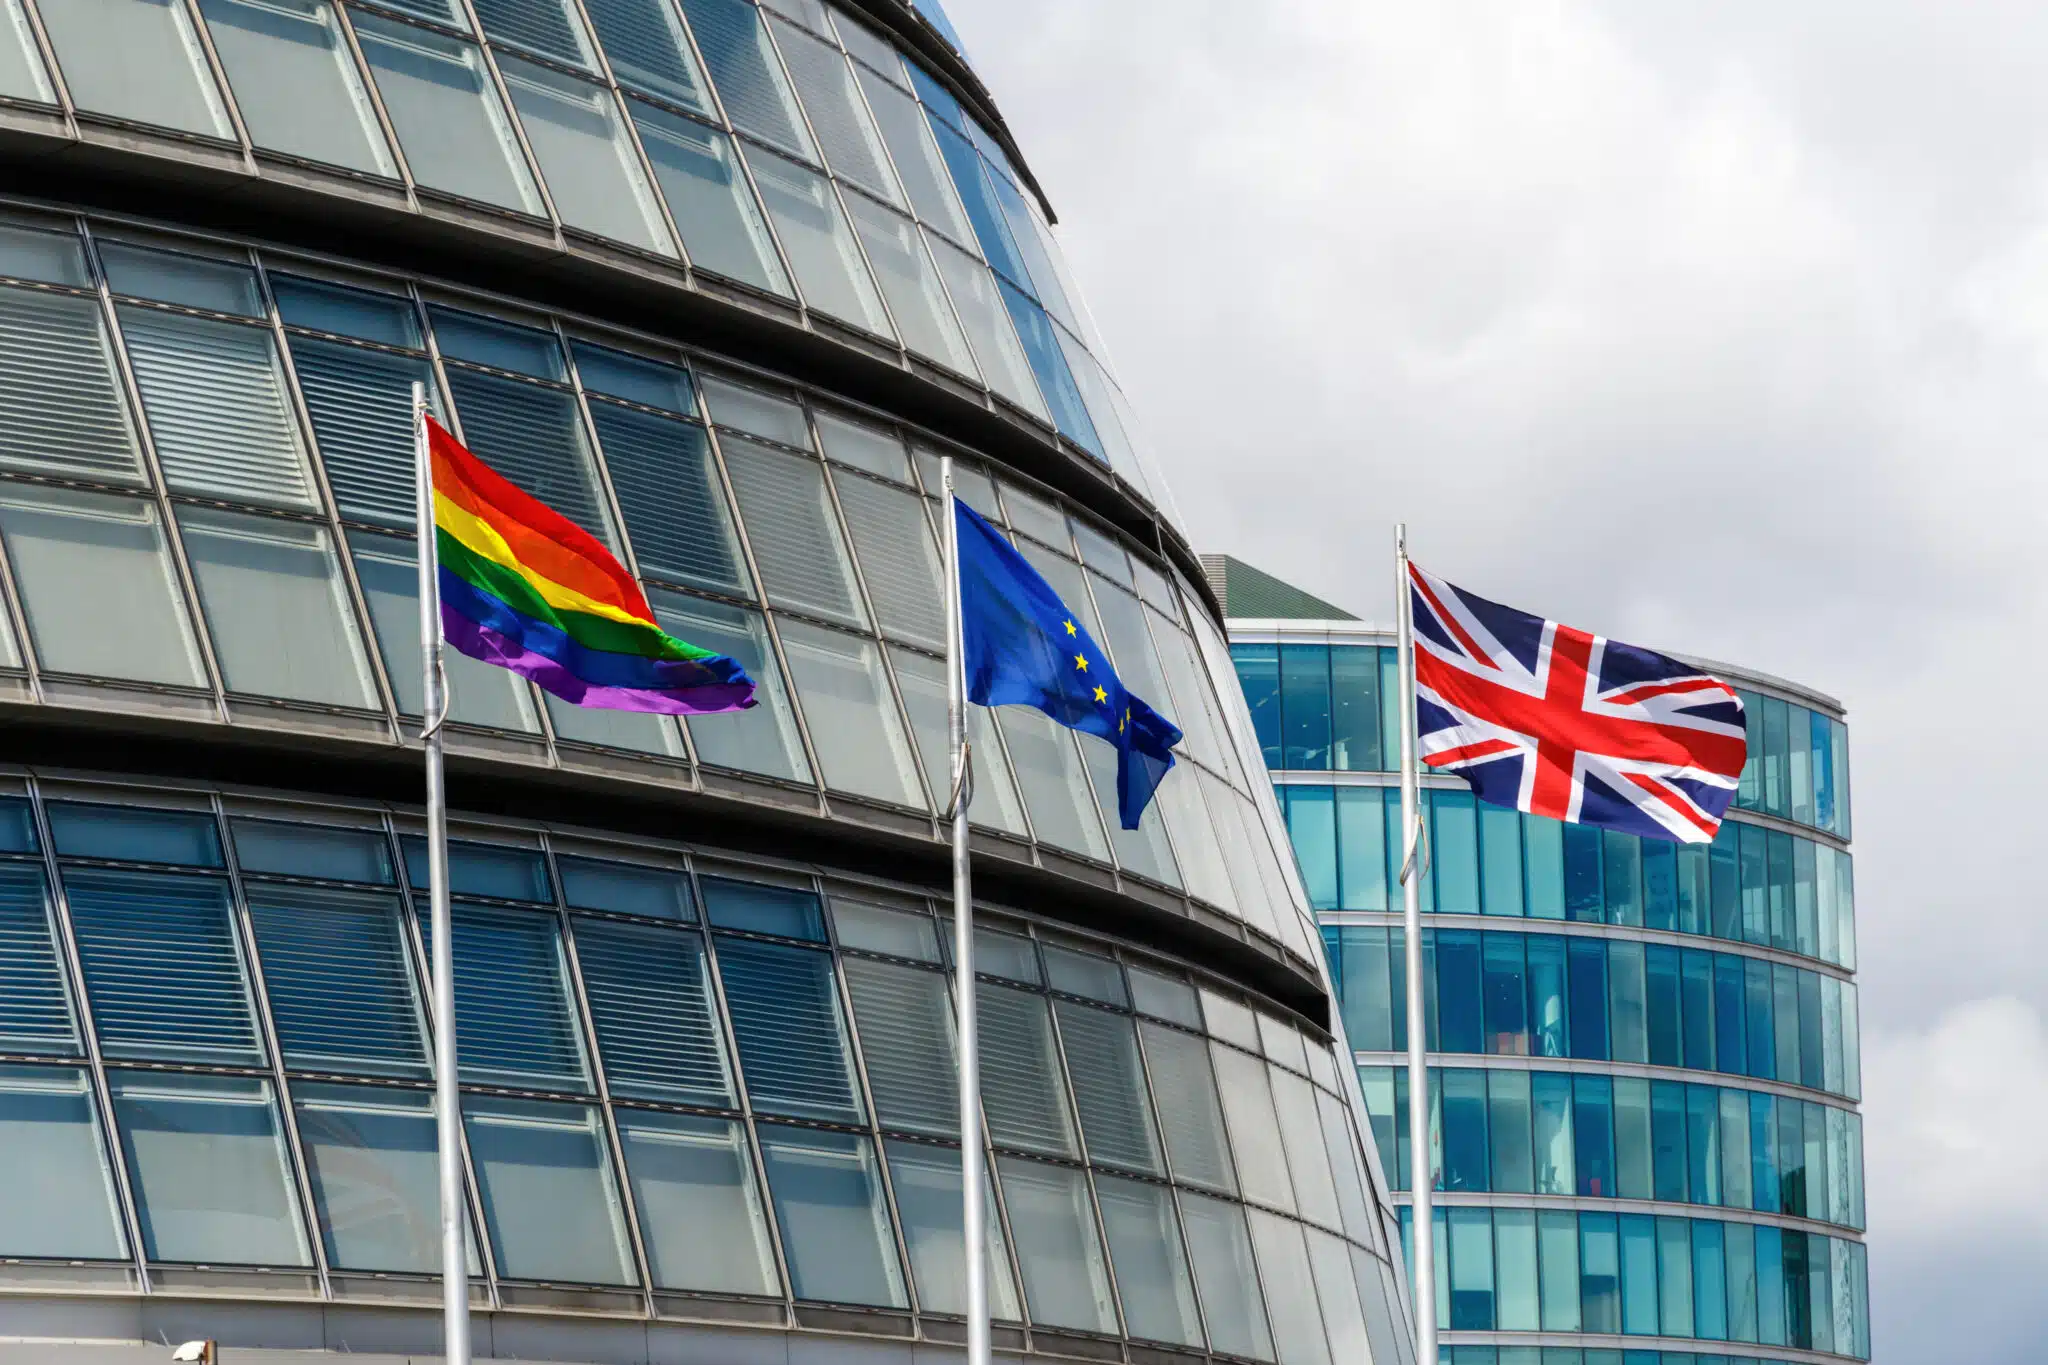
(1552, 720)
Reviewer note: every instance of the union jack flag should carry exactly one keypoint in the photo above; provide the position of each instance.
(1558, 722)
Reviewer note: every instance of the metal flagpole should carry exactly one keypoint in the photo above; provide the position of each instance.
(972, 1180)
(447, 1099)
(1421, 1172)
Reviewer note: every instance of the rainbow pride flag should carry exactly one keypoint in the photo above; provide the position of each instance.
(524, 587)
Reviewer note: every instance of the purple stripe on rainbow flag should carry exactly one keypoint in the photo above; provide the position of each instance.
(479, 641)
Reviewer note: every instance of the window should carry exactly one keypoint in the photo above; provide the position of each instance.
(376, 1183)
(280, 615)
(62, 402)
(295, 82)
(923, 682)
(361, 405)
(1109, 1087)
(927, 1187)
(544, 26)
(644, 42)
(35, 1008)
(917, 158)
(906, 1033)
(455, 134)
(1151, 1267)
(910, 282)
(1055, 787)
(835, 1223)
(57, 1194)
(793, 529)
(1041, 346)
(1022, 1095)
(514, 1023)
(674, 506)
(162, 969)
(21, 70)
(533, 437)
(749, 79)
(1297, 1322)
(1220, 1248)
(549, 1196)
(700, 1213)
(709, 198)
(483, 694)
(822, 250)
(852, 712)
(339, 979)
(207, 1160)
(1066, 1282)
(1301, 1135)
(138, 60)
(785, 1017)
(1254, 1128)
(764, 739)
(650, 997)
(1000, 356)
(586, 155)
(1189, 1113)
(853, 148)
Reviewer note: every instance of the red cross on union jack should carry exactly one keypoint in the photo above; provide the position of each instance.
(1552, 720)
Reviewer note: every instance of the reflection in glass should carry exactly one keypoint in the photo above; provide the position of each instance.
(207, 1160)
(138, 60)
(835, 1224)
(56, 1190)
(455, 135)
(700, 1213)
(852, 714)
(585, 155)
(296, 83)
(549, 1196)
(1066, 1283)
(376, 1183)
(281, 620)
(926, 1181)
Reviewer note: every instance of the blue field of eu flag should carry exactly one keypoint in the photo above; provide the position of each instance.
(1024, 647)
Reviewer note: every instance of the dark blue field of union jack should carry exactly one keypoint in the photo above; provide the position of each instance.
(1555, 721)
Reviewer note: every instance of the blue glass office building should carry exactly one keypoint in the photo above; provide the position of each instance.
(1647, 1146)
(721, 282)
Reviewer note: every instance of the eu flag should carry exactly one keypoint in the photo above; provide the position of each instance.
(1024, 647)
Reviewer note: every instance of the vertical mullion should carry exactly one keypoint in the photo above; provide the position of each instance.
(15, 612)
(159, 489)
(60, 89)
(287, 1117)
(95, 1065)
(220, 79)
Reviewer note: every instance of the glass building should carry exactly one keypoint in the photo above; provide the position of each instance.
(721, 282)
(1646, 1141)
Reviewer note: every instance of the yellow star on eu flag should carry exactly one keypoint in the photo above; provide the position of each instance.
(1102, 696)
(1070, 627)
(1081, 662)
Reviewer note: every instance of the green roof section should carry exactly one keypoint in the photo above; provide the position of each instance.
(1247, 592)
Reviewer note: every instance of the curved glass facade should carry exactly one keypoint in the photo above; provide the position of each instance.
(1632, 1032)
(722, 282)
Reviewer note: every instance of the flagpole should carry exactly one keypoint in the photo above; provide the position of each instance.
(1421, 1172)
(972, 1180)
(447, 1098)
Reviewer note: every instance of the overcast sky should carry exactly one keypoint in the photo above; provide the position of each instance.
(1717, 327)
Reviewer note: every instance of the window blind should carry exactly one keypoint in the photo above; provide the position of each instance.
(825, 85)
(538, 25)
(161, 967)
(894, 542)
(215, 398)
(1022, 1095)
(60, 406)
(649, 993)
(1189, 1114)
(533, 437)
(661, 469)
(361, 405)
(35, 1006)
(743, 67)
(785, 1016)
(794, 532)
(341, 988)
(514, 1024)
(643, 40)
(1109, 1086)
(906, 1034)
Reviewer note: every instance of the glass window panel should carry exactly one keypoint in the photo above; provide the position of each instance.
(215, 397)
(1009, 956)
(57, 1195)
(1151, 1268)
(835, 1223)
(1030, 240)
(361, 313)
(1515, 1287)
(1142, 851)
(454, 132)
(763, 739)
(909, 281)
(218, 286)
(638, 731)
(708, 196)
(1164, 997)
(585, 155)
(995, 801)
(898, 559)
(916, 156)
(852, 714)
(635, 378)
(1221, 1250)
(1109, 1087)
(674, 506)
(1509, 1132)
(206, 1157)
(785, 1017)
(481, 693)
(748, 76)
(1184, 1088)
(982, 313)
(137, 834)
(1632, 1141)
(700, 1212)
(1557, 1243)
(1638, 1275)
(72, 549)
(1086, 974)
(1297, 1321)
(162, 969)
(821, 246)
(1066, 1282)
(1179, 799)
(1600, 1273)
(35, 1003)
(1622, 864)
(57, 387)
(1627, 1032)
(1361, 849)
(1055, 381)
(853, 148)
(970, 179)
(21, 70)
(1301, 1134)
(1230, 1020)
(926, 1181)
(1340, 1142)
(1470, 1252)
(17, 826)
(361, 403)
(376, 1184)
(650, 998)
(757, 412)
(1023, 1096)
(762, 908)
(1055, 786)
(534, 438)
(905, 1018)
(281, 619)
(644, 42)
(544, 26)
(550, 1198)
(864, 447)
(136, 59)
(793, 529)
(1254, 1128)
(340, 981)
(626, 889)
(1710, 1279)
(295, 82)
(514, 1022)
(880, 929)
